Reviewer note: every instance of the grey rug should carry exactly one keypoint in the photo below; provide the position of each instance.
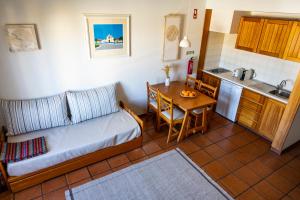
(171, 175)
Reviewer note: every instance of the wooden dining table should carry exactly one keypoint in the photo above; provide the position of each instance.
(187, 104)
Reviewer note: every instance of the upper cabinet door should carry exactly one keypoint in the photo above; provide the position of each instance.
(274, 37)
(292, 50)
(249, 32)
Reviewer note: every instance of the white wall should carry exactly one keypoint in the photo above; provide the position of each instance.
(63, 63)
(214, 50)
(223, 10)
(294, 133)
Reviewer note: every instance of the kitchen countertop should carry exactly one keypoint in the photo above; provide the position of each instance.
(254, 85)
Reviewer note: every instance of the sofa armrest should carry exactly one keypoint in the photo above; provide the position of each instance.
(135, 116)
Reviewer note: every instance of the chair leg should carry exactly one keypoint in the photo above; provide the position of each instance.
(208, 118)
(204, 121)
(188, 126)
(148, 109)
(157, 121)
(196, 120)
(170, 133)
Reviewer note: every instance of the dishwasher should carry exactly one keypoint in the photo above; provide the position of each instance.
(229, 99)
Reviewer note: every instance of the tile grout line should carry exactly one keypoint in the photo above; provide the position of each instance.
(265, 179)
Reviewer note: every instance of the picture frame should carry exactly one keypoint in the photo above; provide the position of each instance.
(22, 37)
(172, 35)
(108, 34)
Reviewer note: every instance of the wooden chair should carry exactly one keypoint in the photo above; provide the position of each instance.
(170, 114)
(209, 91)
(152, 103)
(192, 82)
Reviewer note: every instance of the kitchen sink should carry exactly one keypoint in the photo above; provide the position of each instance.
(218, 70)
(282, 94)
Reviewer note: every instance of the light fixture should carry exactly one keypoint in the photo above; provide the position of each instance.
(184, 43)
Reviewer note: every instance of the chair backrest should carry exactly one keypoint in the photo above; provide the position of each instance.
(192, 82)
(165, 104)
(151, 93)
(208, 90)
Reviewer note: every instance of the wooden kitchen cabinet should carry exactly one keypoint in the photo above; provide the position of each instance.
(250, 109)
(259, 113)
(249, 33)
(274, 37)
(292, 50)
(270, 119)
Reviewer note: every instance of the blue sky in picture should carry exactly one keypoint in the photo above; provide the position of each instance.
(102, 30)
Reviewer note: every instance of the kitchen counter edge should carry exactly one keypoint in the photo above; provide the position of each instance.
(285, 101)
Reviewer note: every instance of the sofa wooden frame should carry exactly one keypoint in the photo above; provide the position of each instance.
(18, 183)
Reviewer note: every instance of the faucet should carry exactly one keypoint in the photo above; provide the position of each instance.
(281, 86)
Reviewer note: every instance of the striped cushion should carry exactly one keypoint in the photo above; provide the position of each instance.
(13, 152)
(23, 116)
(92, 103)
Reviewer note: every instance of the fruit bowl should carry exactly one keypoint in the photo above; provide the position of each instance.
(188, 94)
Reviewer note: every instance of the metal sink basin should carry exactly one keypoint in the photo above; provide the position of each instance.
(218, 70)
(282, 93)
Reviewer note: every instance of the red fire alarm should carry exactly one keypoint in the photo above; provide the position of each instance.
(195, 14)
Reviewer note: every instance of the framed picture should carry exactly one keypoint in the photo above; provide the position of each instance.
(109, 35)
(22, 37)
(172, 35)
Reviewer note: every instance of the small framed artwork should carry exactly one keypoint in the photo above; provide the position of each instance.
(22, 37)
(109, 35)
(172, 34)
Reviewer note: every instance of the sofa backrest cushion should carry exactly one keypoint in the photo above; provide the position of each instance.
(89, 104)
(23, 116)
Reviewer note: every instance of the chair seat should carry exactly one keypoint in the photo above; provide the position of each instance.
(199, 111)
(177, 114)
(153, 103)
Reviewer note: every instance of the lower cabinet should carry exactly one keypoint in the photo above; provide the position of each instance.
(211, 80)
(260, 113)
(270, 119)
(250, 109)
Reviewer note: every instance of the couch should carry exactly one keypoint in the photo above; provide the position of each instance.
(86, 127)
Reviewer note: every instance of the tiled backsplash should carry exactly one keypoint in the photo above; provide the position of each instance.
(214, 49)
(268, 69)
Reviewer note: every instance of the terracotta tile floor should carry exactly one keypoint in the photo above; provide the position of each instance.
(240, 161)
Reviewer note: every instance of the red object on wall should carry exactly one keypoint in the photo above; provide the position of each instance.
(195, 14)
(190, 66)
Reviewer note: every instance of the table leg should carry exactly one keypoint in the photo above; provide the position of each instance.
(183, 126)
(204, 120)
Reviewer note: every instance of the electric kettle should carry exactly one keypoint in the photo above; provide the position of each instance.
(238, 72)
(250, 74)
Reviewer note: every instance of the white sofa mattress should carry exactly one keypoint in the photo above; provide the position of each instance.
(65, 143)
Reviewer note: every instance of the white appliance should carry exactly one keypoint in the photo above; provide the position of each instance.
(229, 99)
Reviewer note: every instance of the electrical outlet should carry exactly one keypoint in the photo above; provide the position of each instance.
(189, 52)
